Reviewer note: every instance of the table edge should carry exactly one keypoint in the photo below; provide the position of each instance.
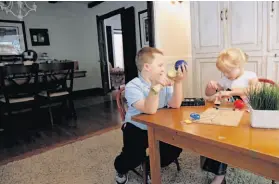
(252, 153)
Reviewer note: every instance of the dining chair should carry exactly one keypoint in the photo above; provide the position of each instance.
(19, 87)
(57, 85)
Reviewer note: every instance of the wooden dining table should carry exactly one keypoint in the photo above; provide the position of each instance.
(245, 147)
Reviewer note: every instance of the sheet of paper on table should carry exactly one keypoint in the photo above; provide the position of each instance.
(221, 117)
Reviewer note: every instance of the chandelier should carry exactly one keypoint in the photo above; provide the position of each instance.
(22, 6)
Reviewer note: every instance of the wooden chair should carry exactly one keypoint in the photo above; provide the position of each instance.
(120, 103)
(19, 87)
(267, 81)
(121, 106)
(54, 86)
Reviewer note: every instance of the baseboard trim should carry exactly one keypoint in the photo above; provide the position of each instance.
(88, 92)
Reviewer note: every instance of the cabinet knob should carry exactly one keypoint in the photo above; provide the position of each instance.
(272, 6)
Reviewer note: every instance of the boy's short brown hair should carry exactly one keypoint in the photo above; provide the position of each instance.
(146, 55)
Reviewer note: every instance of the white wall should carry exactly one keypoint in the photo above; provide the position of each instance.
(114, 22)
(73, 33)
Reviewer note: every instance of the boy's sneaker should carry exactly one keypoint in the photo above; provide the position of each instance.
(148, 175)
(148, 178)
(121, 178)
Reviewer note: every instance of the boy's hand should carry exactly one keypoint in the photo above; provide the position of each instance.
(181, 73)
(162, 80)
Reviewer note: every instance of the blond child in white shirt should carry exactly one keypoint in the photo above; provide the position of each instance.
(236, 79)
(234, 84)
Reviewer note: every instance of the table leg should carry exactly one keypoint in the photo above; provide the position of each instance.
(154, 156)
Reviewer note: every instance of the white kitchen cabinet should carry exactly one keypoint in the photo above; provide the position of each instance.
(244, 21)
(256, 64)
(273, 17)
(273, 68)
(207, 22)
(219, 25)
(205, 71)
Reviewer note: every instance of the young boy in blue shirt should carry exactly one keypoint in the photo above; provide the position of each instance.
(142, 97)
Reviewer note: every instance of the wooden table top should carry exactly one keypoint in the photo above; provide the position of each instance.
(258, 143)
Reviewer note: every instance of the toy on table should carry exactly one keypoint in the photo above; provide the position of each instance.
(232, 99)
(224, 108)
(193, 102)
(217, 101)
(239, 104)
(171, 74)
(195, 117)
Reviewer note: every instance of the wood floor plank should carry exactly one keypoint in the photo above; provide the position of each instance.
(24, 139)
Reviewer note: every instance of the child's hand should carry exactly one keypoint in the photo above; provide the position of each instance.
(162, 80)
(181, 73)
(213, 85)
(224, 94)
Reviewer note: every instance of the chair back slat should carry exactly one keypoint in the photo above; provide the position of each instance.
(268, 81)
(19, 80)
(55, 67)
(56, 75)
(121, 103)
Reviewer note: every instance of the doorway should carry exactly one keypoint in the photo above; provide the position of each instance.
(114, 54)
(117, 38)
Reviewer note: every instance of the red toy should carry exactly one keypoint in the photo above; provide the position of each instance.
(239, 104)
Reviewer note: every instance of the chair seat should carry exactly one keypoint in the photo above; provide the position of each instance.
(55, 94)
(18, 100)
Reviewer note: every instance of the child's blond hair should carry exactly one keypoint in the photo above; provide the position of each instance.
(230, 59)
(146, 55)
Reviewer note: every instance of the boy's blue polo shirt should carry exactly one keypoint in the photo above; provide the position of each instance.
(138, 89)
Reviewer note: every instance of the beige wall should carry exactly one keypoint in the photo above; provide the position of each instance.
(173, 35)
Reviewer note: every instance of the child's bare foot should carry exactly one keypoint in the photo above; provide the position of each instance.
(219, 180)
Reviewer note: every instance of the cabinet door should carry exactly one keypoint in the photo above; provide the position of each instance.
(244, 24)
(273, 68)
(205, 71)
(273, 13)
(207, 26)
(255, 64)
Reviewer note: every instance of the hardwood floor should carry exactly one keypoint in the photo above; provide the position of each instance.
(23, 137)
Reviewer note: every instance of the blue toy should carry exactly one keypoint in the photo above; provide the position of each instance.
(195, 116)
(179, 63)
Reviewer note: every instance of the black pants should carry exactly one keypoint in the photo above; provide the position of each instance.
(134, 150)
(213, 166)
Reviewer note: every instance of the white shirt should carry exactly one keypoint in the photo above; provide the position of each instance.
(240, 82)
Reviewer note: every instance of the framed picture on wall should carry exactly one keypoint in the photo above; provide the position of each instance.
(39, 37)
(12, 38)
(143, 28)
